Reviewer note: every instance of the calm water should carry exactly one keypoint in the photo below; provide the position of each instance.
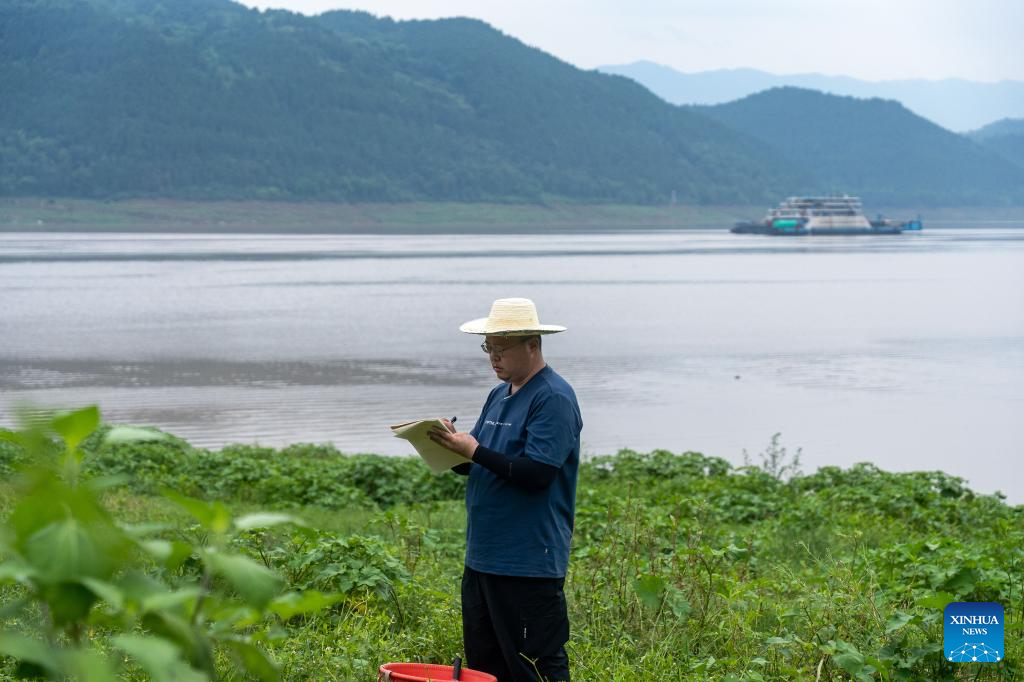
(904, 351)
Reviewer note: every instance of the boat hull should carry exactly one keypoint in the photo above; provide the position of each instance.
(884, 229)
(800, 231)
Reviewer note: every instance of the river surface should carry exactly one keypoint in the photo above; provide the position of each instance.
(905, 351)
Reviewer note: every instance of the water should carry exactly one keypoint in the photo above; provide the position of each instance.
(904, 351)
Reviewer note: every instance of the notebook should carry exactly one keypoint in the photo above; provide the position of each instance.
(439, 458)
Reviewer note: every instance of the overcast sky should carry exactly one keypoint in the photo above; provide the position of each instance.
(869, 39)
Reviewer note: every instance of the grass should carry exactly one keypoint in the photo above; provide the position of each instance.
(164, 215)
(683, 567)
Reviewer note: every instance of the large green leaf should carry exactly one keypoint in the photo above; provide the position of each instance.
(158, 657)
(87, 665)
(650, 589)
(74, 427)
(939, 600)
(850, 659)
(46, 500)
(68, 602)
(897, 621)
(132, 434)
(12, 572)
(25, 648)
(257, 584)
(850, 662)
(68, 550)
(192, 641)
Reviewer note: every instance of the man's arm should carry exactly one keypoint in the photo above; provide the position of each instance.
(525, 472)
(522, 471)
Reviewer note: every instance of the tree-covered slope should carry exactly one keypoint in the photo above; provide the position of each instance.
(1004, 137)
(208, 99)
(876, 148)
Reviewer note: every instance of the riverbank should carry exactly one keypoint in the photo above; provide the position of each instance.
(680, 562)
(144, 215)
(164, 215)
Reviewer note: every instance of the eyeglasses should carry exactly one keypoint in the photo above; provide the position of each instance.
(496, 350)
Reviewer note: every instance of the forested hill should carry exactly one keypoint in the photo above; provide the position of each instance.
(209, 99)
(874, 147)
(1004, 137)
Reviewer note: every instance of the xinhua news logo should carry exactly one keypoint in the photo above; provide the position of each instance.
(972, 632)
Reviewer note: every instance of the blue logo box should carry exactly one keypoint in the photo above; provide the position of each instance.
(972, 632)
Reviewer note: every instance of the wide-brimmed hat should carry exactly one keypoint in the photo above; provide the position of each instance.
(511, 317)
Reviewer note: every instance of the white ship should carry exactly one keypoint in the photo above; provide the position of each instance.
(822, 215)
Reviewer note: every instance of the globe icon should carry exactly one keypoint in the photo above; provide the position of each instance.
(975, 652)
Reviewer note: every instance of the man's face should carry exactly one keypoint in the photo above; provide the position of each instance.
(509, 356)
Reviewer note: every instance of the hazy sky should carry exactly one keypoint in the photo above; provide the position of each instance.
(868, 39)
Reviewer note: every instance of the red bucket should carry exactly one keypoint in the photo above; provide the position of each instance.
(428, 672)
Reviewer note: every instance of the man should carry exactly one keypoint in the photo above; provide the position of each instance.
(520, 501)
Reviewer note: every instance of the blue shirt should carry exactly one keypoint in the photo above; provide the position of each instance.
(510, 530)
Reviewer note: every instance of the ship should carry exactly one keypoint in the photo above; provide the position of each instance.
(829, 215)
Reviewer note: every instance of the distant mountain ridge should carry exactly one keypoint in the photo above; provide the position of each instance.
(957, 104)
(1004, 137)
(888, 153)
(1005, 126)
(207, 99)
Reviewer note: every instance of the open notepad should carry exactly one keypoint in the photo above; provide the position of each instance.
(440, 459)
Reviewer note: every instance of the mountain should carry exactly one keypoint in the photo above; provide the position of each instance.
(1005, 126)
(876, 148)
(208, 99)
(953, 103)
(1004, 137)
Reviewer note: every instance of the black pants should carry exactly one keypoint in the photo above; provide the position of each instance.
(515, 628)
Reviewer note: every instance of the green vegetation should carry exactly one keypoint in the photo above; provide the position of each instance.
(683, 566)
(206, 99)
(875, 148)
(151, 215)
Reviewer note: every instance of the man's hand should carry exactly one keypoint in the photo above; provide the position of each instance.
(460, 443)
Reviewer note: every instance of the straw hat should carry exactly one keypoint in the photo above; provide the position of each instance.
(511, 317)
